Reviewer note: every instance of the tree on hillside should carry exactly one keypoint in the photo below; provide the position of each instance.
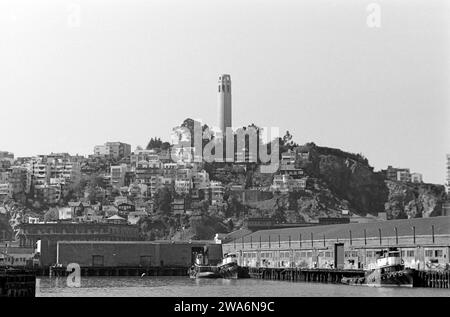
(234, 206)
(280, 211)
(157, 144)
(154, 143)
(201, 206)
(163, 199)
(287, 142)
(293, 200)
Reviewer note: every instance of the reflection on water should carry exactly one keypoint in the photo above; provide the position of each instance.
(184, 286)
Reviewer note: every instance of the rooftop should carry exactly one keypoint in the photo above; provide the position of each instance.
(423, 226)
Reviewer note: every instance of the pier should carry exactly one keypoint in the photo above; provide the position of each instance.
(304, 275)
(432, 279)
(119, 271)
(17, 283)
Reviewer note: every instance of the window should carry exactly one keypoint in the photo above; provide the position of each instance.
(429, 253)
(410, 253)
(438, 253)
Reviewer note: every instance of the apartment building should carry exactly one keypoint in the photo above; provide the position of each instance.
(183, 186)
(6, 156)
(19, 180)
(40, 172)
(118, 175)
(213, 192)
(286, 183)
(404, 176)
(142, 156)
(416, 178)
(115, 150)
(48, 193)
(398, 174)
(289, 164)
(4, 190)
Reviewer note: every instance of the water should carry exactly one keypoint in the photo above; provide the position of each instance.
(184, 286)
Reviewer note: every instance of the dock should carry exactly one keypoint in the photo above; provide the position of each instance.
(17, 283)
(304, 275)
(120, 271)
(431, 279)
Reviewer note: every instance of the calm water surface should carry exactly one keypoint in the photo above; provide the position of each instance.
(184, 286)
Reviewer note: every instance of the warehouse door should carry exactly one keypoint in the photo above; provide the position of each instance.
(97, 260)
(145, 260)
(339, 255)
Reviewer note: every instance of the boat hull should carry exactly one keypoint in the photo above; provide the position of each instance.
(233, 271)
(227, 271)
(402, 278)
(377, 278)
(205, 275)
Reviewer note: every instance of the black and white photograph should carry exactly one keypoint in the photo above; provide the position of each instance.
(221, 155)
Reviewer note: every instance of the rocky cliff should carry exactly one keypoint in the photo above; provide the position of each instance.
(414, 200)
(340, 180)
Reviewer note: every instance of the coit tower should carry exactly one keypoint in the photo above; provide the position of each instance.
(224, 102)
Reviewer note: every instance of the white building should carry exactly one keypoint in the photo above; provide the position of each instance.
(183, 186)
(280, 183)
(142, 155)
(416, 178)
(116, 150)
(65, 213)
(404, 176)
(4, 190)
(199, 179)
(40, 172)
(118, 175)
(217, 191)
(285, 183)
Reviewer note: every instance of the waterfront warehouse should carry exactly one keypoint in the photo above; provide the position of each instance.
(135, 253)
(424, 245)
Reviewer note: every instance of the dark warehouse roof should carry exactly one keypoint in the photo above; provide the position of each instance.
(423, 226)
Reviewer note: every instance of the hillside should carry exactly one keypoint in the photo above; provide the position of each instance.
(341, 180)
(414, 200)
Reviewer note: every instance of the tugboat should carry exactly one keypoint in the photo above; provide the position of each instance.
(389, 271)
(230, 269)
(201, 269)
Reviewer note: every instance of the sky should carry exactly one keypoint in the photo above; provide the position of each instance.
(74, 74)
